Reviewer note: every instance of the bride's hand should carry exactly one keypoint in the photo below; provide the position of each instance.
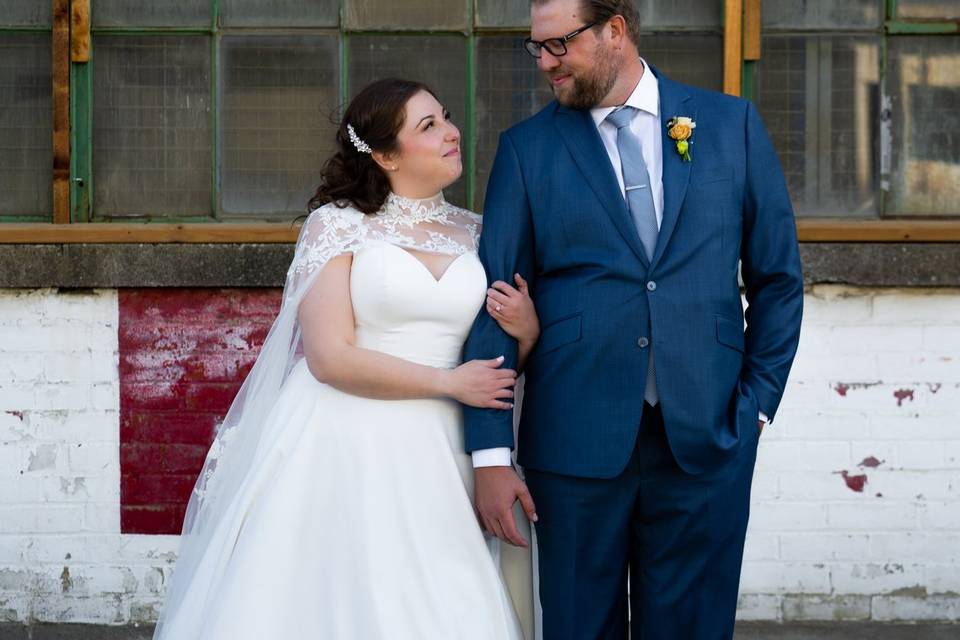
(513, 310)
(482, 383)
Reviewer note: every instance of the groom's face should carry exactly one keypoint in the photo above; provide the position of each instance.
(583, 76)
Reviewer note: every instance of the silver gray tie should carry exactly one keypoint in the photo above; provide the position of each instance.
(636, 180)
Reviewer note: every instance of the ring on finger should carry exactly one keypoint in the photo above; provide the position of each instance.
(499, 307)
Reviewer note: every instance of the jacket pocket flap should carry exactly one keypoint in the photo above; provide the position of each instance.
(559, 333)
(730, 333)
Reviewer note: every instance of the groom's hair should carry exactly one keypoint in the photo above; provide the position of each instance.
(600, 11)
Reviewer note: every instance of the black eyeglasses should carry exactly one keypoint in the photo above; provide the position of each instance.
(555, 46)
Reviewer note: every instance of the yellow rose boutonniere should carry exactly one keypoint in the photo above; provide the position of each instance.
(680, 128)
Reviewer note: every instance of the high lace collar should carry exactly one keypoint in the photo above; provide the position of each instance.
(415, 209)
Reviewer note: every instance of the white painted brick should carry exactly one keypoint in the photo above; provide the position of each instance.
(941, 339)
(875, 339)
(874, 578)
(912, 369)
(887, 608)
(788, 516)
(76, 426)
(12, 550)
(918, 546)
(11, 459)
(915, 486)
(811, 365)
(18, 489)
(17, 397)
(100, 306)
(839, 608)
(872, 516)
(81, 367)
(92, 458)
(824, 547)
(762, 546)
(784, 577)
(41, 518)
(61, 396)
(836, 425)
(102, 517)
(827, 455)
(16, 305)
(753, 606)
(922, 455)
(942, 577)
(104, 397)
(20, 367)
(830, 306)
(826, 485)
(765, 487)
(908, 307)
(914, 427)
(935, 515)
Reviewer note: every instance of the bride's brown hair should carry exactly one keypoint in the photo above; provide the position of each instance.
(351, 177)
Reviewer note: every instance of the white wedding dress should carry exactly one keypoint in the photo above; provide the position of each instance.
(354, 520)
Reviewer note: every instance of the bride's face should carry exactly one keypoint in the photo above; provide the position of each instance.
(429, 147)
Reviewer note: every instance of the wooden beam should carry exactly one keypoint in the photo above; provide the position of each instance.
(808, 230)
(80, 31)
(732, 47)
(751, 30)
(61, 111)
(845, 230)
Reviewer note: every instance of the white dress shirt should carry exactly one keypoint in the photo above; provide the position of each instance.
(646, 127)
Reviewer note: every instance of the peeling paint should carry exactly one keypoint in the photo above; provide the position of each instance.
(16, 414)
(903, 394)
(934, 386)
(45, 457)
(854, 483)
(871, 462)
(66, 583)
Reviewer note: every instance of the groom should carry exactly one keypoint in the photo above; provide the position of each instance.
(627, 205)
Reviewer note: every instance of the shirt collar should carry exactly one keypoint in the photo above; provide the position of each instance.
(645, 97)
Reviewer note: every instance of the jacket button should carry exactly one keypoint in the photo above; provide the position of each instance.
(651, 286)
(643, 343)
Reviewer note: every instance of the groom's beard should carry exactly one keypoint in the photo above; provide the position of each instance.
(588, 90)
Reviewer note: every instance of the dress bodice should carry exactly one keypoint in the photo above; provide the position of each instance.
(400, 308)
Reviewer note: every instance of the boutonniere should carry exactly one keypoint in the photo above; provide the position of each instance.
(680, 128)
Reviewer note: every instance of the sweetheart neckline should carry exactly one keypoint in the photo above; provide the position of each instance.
(423, 266)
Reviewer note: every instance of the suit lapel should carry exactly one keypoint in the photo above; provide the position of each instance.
(580, 135)
(674, 101)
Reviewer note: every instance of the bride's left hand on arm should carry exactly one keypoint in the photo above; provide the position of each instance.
(513, 310)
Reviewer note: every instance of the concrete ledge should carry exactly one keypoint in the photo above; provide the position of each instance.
(745, 631)
(265, 265)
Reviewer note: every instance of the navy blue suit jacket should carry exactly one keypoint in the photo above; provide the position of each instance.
(555, 214)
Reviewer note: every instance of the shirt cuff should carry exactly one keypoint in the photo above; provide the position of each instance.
(496, 457)
(764, 417)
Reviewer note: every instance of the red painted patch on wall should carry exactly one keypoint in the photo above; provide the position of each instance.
(854, 483)
(903, 394)
(183, 355)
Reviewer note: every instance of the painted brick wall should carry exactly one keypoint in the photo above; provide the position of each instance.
(183, 356)
(856, 513)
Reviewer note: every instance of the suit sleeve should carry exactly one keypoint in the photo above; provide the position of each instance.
(506, 248)
(771, 271)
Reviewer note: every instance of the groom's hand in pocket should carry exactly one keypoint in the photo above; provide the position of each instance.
(497, 488)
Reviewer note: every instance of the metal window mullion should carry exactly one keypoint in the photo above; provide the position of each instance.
(215, 116)
(469, 147)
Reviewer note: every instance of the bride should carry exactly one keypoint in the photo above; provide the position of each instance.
(336, 499)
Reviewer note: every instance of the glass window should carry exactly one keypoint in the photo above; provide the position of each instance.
(945, 9)
(26, 129)
(26, 13)
(127, 13)
(151, 126)
(439, 61)
(503, 13)
(688, 58)
(923, 85)
(823, 14)
(280, 96)
(819, 96)
(392, 15)
(509, 89)
(279, 13)
(689, 14)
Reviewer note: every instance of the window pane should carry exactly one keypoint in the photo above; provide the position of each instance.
(280, 99)
(823, 14)
(26, 13)
(439, 61)
(690, 58)
(503, 13)
(134, 13)
(26, 130)
(928, 9)
(151, 126)
(923, 84)
(279, 13)
(819, 97)
(393, 15)
(655, 14)
(509, 89)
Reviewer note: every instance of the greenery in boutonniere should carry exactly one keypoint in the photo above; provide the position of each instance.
(680, 128)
